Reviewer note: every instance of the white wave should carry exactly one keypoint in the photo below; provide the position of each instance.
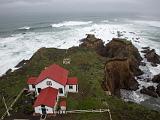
(105, 21)
(133, 96)
(71, 23)
(24, 28)
(148, 23)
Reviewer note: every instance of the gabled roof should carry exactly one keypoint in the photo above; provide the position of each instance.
(31, 80)
(54, 72)
(47, 97)
(72, 81)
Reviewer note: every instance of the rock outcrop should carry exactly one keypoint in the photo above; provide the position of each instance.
(118, 75)
(151, 91)
(20, 64)
(156, 79)
(152, 56)
(122, 66)
(123, 60)
(121, 48)
(158, 89)
(95, 43)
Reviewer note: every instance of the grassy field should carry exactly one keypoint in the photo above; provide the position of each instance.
(89, 68)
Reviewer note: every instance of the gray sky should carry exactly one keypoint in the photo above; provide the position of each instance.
(8, 7)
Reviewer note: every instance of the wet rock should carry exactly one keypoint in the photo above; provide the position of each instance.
(152, 57)
(147, 79)
(156, 79)
(143, 64)
(20, 64)
(119, 34)
(8, 71)
(145, 49)
(152, 88)
(158, 89)
(118, 75)
(149, 91)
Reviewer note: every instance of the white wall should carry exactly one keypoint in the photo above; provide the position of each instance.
(63, 108)
(55, 85)
(38, 110)
(74, 90)
(31, 88)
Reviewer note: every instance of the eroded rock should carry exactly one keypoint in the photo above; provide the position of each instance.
(118, 75)
(156, 79)
(158, 89)
(152, 57)
(149, 91)
(121, 48)
(95, 43)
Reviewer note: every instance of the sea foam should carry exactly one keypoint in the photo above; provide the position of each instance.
(25, 28)
(71, 23)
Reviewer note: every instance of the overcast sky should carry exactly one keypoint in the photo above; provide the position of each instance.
(8, 7)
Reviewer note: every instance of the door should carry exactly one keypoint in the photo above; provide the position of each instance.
(44, 111)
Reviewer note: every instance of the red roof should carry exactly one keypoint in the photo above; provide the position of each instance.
(54, 72)
(47, 97)
(31, 80)
(63, 103)
(72, 81)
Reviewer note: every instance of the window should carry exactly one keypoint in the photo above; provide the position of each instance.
(39, 90)
(49, 83)
(76, 87)
(70, 87)
(60, 90)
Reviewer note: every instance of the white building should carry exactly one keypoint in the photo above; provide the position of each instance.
(56, 78)
(46, 101)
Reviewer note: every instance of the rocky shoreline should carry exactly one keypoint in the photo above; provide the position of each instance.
(122, 68)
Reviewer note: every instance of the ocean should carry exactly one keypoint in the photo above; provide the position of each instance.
(20, 38)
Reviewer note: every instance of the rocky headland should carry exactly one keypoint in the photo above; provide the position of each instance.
(113, 66)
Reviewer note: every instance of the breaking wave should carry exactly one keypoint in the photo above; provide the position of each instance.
(71, 23)
(24, 28)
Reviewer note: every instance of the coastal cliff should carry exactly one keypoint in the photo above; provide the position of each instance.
(118, 75)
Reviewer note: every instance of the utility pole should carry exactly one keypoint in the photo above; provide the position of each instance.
(6, 106)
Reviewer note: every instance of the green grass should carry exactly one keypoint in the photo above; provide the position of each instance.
(89, 68)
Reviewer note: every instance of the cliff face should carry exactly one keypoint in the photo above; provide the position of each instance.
(121, 48)
(118, 75)
(122, 66)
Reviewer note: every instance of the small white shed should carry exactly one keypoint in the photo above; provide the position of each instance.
(72, 85)
(31, 83)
